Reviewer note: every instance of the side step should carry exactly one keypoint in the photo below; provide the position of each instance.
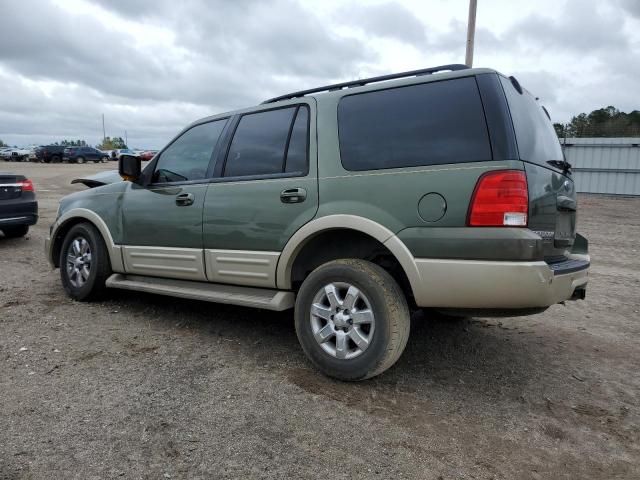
(209, 292)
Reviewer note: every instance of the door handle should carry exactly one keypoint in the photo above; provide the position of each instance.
(184, 199)
(293, 195)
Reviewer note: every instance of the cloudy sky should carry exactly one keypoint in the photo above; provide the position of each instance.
(153, 66)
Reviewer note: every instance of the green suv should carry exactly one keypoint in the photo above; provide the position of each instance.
(444, 188)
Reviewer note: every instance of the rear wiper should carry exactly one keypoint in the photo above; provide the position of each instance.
(561, 164)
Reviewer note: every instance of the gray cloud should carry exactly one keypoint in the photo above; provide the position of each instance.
(390, 20)
(62, 69)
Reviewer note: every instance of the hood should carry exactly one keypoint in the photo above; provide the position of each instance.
(99, 179)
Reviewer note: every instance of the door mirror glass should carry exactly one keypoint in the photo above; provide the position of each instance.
(129, 167)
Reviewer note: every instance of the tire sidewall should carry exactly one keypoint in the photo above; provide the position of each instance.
(81, 230)
(359, 367)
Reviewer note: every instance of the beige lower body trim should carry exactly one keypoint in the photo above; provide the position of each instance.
(487, 284)
(183, 263)
(242, 267)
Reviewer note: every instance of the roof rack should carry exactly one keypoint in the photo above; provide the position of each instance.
(359, 83)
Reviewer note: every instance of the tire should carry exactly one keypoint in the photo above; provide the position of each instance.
(80, 285)
(15, 231)
(385, 329)
(104, 159)
(80, 160)
(54, 159)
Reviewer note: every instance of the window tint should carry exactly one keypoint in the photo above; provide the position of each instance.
(297, 153)
(426, 124)
(258, 145)
(536, 138)
(188, 157)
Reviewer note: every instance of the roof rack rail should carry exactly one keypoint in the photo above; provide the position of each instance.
(359, 83)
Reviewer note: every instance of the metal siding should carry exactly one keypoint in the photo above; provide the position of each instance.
(616, 162)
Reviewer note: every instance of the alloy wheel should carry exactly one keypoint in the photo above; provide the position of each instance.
(78, 262)
(342, 320)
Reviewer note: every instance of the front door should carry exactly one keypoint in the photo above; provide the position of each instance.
(266, 188)
(162, 220)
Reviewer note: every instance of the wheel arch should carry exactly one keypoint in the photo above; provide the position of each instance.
(353, 223)
(83, 215)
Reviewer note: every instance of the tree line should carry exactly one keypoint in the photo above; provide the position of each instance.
(604, 122)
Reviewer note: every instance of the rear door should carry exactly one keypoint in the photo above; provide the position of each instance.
(266, 189)
(552, 194)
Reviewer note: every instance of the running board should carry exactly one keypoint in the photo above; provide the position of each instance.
(209, 292)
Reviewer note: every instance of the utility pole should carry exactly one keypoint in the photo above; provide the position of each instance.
(126, 140)
(471, 32)
(104, 135)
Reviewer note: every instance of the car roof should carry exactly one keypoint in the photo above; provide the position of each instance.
(433, 74)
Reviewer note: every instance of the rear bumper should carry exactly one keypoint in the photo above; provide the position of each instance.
(480, 284)
(18, 212)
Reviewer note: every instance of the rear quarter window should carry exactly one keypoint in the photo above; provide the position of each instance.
(427, 124)
(537, 140)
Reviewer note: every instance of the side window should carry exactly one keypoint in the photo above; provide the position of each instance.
(187, 158)
(259, 143)
(297, 154)
(425, 124)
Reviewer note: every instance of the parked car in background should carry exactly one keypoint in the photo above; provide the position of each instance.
(148, 155)
(16, 154)
(116, 154)
(84, 154)
(5, 152)
(50, 153)
(18, 205)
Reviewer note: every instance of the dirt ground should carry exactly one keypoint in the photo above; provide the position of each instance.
(143, 386)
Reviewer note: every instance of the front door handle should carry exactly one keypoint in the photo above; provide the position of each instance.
(293, 195)
(184, 199)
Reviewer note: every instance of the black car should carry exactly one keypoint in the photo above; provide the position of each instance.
(18, 205)
(50, 153)
(84, 154)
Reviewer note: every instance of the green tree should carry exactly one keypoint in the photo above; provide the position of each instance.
(112, 143)
(603, 122)
(2, 144)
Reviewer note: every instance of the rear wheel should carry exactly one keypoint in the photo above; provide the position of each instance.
(15, 231)
(84, 263)
(104, 159)
(352, 319)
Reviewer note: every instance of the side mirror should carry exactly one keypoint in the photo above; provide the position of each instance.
(129, 167)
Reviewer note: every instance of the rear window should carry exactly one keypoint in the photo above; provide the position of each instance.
(427, 124)
(536, 138)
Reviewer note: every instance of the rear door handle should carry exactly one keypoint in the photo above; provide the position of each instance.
(293, 195)
(184, 199)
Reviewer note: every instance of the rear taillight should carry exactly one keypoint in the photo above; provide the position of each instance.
(501, 199)
(26, 185)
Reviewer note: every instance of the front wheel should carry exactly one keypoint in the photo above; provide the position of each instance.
(84, 263)
(80, 160)
(352, 319)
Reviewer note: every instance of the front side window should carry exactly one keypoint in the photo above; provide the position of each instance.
(187, 158)
(269, 142)
(426, 124)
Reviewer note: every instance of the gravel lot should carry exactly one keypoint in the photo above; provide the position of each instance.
(142, 386)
